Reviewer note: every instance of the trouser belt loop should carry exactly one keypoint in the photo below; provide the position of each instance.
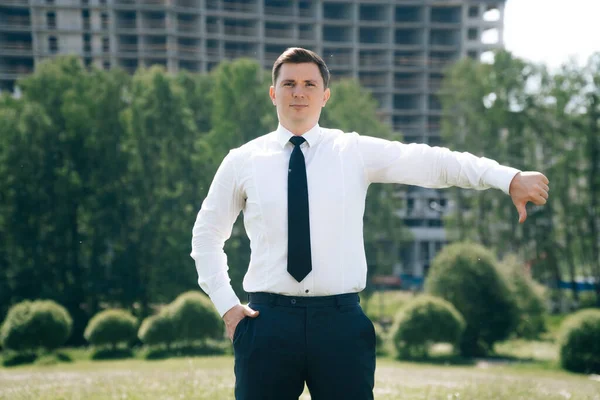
(272, 300)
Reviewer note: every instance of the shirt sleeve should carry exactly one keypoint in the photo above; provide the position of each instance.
(212, 228)
(387, 161)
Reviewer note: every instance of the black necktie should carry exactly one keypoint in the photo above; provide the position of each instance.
(299, 258)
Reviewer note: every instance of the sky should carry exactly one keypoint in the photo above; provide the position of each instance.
(551, 31)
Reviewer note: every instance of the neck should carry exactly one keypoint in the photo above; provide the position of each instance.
(298, 130)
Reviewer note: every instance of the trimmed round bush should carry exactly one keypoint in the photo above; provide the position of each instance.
(579, 342)
(157, 330)
(31, 325)
(195, 318)
(111, 328)
(51, 324)
(467, 276)
(15, 332)
(529, 297)
(423, 322)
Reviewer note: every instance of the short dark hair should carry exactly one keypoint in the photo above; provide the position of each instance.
(298, 55)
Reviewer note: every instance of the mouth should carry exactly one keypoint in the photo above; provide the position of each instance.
(299, 106)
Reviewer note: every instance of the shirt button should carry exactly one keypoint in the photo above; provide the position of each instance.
(306, 291)
(293, 301)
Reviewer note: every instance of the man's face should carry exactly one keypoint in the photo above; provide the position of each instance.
(299, 95)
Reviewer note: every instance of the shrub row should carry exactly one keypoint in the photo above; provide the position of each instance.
(41, 324)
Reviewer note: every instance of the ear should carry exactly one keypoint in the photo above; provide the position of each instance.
(326, 96)
(272, 94)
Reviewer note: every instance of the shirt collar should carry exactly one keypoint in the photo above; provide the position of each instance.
(311, 136)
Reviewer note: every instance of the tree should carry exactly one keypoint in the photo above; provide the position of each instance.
(43, 161)
(160, 134)
(592, 141)
(561, 96)
(521, 115)
(467, 276)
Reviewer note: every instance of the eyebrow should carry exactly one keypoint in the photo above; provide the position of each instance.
(306, 80)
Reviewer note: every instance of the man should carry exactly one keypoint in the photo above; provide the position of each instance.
(302, 189)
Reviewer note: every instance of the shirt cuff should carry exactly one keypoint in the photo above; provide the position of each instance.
(224, 299)
(500, 177)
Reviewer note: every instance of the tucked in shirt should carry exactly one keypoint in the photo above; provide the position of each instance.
(340, 167)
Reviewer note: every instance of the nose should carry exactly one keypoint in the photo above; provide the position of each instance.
(298, 91)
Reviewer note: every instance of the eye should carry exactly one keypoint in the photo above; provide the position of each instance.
(310, 84)
(288, 84)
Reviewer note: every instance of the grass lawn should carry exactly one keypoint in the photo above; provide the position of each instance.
(212, 378)
(532, 374)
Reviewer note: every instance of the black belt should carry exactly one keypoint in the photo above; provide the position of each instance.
(303, 301)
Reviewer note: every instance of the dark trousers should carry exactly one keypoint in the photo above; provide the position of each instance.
(327, 342)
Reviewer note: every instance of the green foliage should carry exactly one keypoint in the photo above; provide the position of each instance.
(110, 328)
(467, 276)
(529, 297)
(491, 110)
(195, 318)
(33, 325)
(15, 333)
(423, 322)
(352, 108)
(157, 330)
(51, 324)
(579, 342)
(588, 300)
(102, 175)
(62, 208)
(161, 187)
(384, 304)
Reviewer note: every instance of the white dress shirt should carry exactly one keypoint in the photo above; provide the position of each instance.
(339, 166)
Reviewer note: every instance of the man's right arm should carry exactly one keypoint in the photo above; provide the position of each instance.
(212, 228)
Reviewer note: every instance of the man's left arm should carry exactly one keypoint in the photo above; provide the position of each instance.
(437, 167)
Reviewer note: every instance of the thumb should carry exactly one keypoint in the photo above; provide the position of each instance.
(522, 212)
(251, 313)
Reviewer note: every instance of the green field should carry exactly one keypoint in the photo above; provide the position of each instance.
(212, 378)
(519, 369)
